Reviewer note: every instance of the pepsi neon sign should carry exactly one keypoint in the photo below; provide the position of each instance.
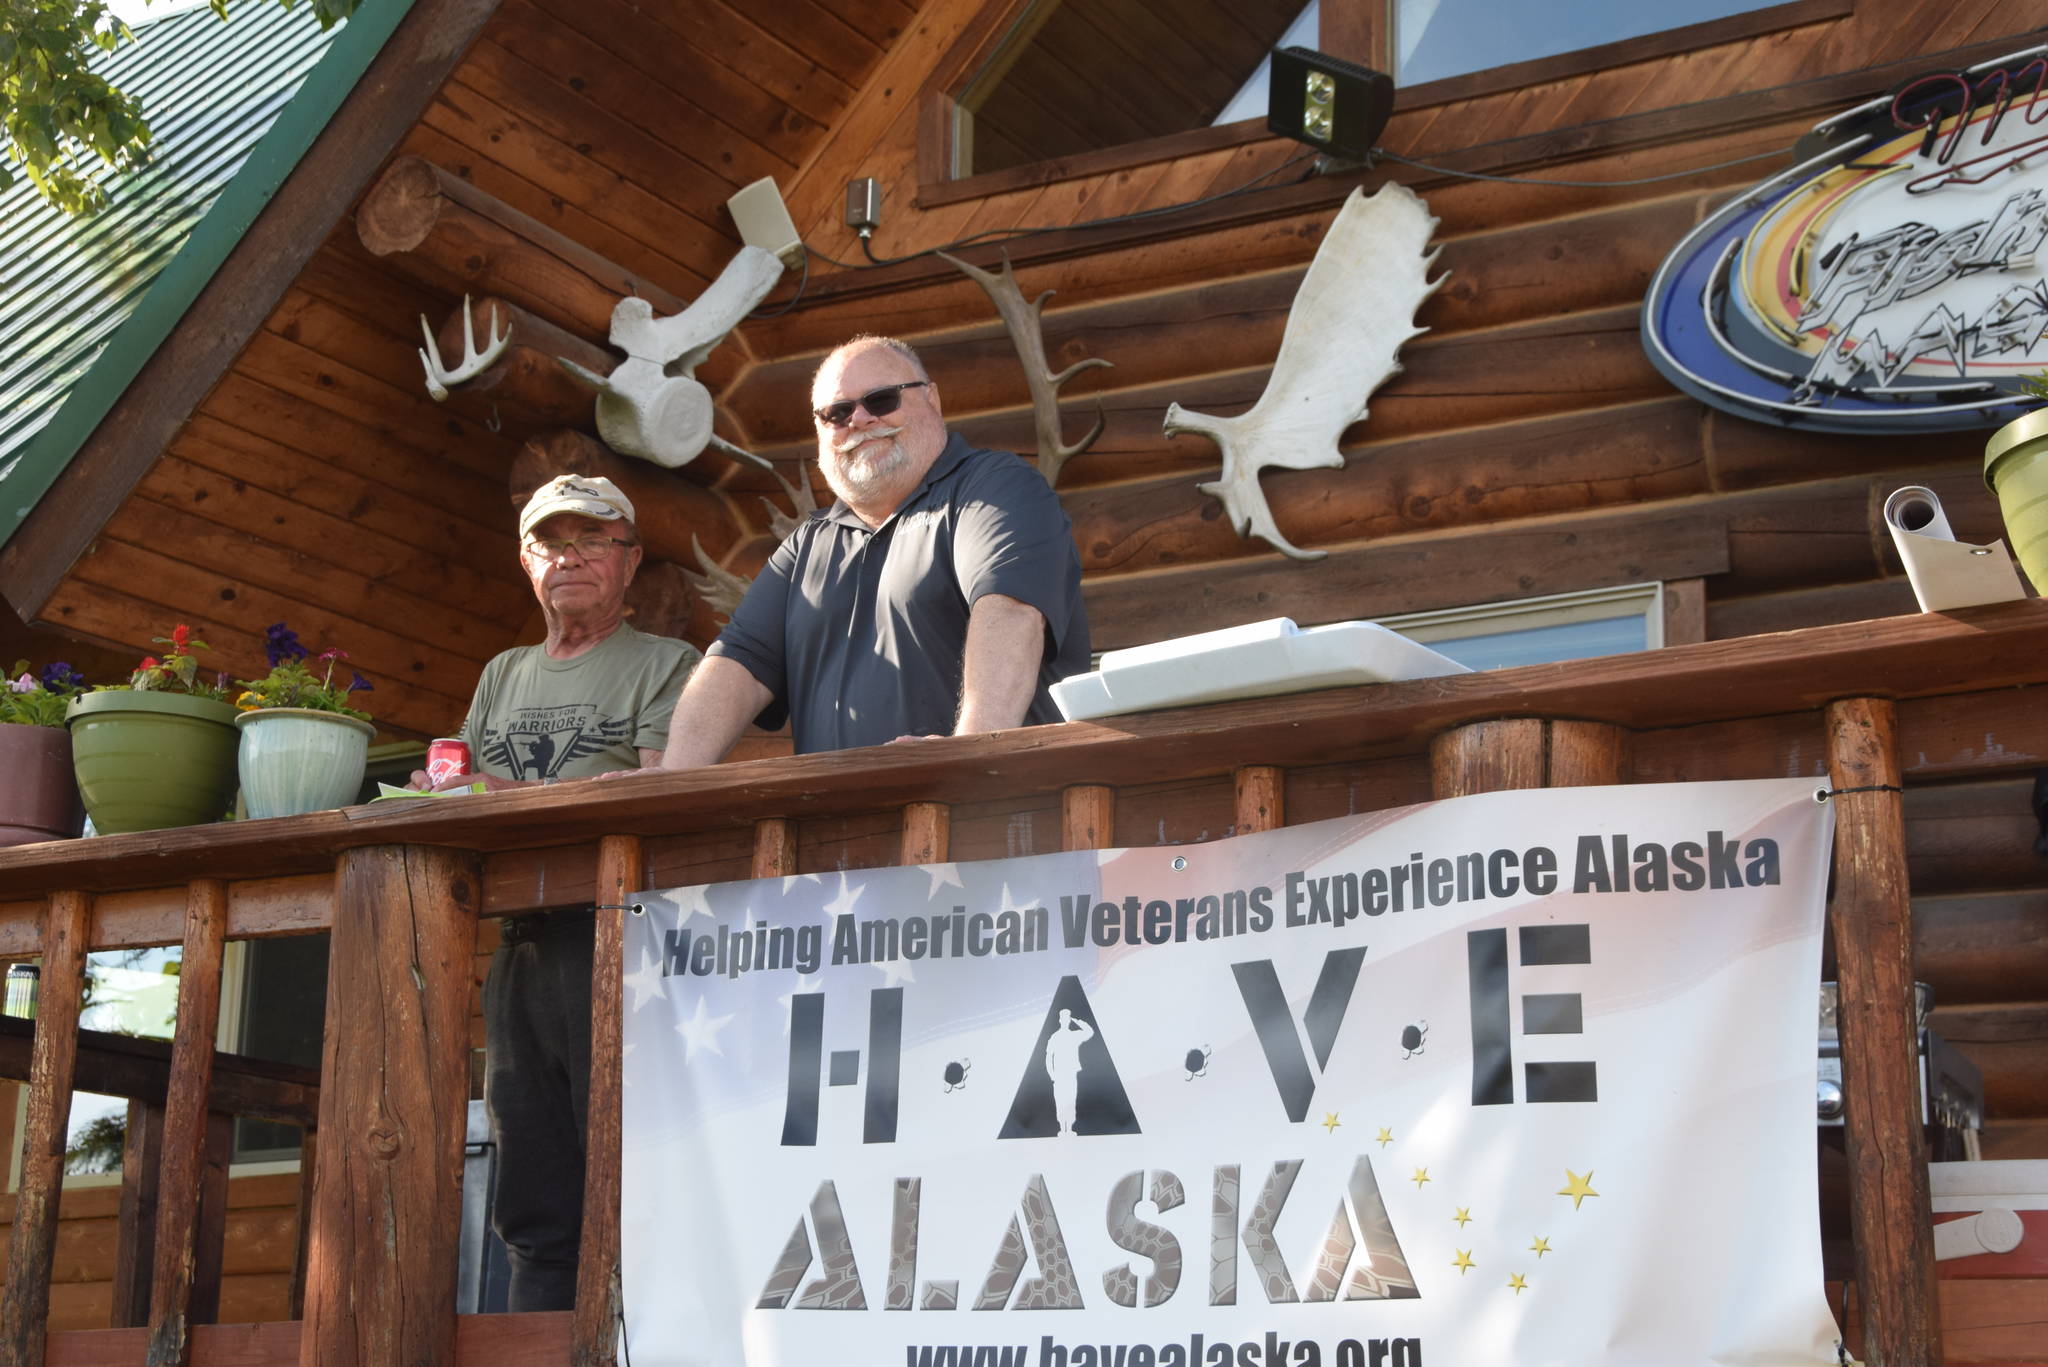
(1894, 280)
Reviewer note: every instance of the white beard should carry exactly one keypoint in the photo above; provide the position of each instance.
(866, 464)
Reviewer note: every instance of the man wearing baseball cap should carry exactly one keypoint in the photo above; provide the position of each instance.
(594, 698)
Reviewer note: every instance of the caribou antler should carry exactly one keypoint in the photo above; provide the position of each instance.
(439, 378)
(1027, 334)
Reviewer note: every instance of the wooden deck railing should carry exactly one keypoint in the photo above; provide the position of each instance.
(1869, 706)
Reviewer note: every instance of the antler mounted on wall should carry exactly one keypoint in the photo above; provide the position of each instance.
(1027, 334)
(1354, 310)
(652, 405)
(440, 379)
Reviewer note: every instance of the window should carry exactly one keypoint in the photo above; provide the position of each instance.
(273, 998)
(1060, 88)
(1565, 626)
(1434, 39)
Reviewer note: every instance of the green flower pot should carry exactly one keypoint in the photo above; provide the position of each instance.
(147, 760)
(296, 759)
(2016, 468)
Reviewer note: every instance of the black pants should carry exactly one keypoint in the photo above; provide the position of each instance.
(537, 1090)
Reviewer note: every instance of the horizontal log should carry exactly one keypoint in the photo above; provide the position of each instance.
(1507, 276)
(1488, 375)
(669, 510)
(2009, 1042)
(1409, 574)
(449, 235)
(1973, 837)
(140, 1070)
(539, 1339)
(1981, 948)
(526, 382)
(2006, 643)
(1634, 453)
(1796, 609)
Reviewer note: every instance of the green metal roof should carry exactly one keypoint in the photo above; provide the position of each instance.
(85, 302)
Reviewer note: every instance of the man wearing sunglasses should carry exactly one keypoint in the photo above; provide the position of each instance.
(940, 595)
(594, 698)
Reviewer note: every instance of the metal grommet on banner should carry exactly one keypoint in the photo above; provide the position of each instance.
(1823, 794)
(1179, 863)
(637, 908)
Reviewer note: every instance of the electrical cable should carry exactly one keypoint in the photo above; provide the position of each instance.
(1380, 152)
(1011, 234)
(802, 281)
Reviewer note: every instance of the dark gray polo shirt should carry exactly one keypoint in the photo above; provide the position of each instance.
(860, 633)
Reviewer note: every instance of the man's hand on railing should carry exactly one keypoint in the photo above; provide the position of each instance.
(492, 783)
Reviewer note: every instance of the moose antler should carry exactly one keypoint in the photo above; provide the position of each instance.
(801, 498)
(439, 378)
(719, 587)
(1027, 334)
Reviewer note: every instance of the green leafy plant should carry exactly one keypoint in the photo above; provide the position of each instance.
(292, 681)
(177, 671)
(28, 699)
(2035, 386)
(59, 114)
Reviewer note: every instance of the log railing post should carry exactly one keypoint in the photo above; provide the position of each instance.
(927, 833)
(142, 1147)
(594, 1332)
(32, 1246)
(1889, 1210)
(1260, 790)
(185, 1123)
(380, 1282)
(1087, 817)
(1526, 752)
(774, 847)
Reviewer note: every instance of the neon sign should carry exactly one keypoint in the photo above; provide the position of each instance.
(1893, 280)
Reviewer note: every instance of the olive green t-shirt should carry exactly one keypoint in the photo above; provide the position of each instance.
(538, 717)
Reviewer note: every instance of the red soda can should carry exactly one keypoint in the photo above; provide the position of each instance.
(446, 758)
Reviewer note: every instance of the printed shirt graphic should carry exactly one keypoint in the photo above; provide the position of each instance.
(534, 717)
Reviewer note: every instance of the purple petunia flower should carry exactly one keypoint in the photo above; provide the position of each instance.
(60, 677)
(358, 684)
(281, 643)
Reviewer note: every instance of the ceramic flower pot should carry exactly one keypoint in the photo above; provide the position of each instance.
(294, 759)
(38, 795)
(2016, 468)
(147, 760)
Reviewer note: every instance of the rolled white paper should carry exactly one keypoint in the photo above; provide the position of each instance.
(1946, 573)
(1988, 1231)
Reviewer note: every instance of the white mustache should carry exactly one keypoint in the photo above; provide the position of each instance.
(861, 439)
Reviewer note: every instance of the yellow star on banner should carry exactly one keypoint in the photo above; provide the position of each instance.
(1330, 1121)
(1516, 1284)
(1421, 1176)
(1540, 1247)
(1577, 1187)
(1463, 1262)
(1463, 1217)
(1385, 1137)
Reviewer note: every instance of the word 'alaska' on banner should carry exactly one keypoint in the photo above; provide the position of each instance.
(1320, 1095)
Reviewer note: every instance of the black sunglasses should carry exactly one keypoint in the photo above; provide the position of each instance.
(879, 403)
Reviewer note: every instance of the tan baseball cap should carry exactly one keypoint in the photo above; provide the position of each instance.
(585, 495)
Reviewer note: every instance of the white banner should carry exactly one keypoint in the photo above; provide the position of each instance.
(1521, 1078)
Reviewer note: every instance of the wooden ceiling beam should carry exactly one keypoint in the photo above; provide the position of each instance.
(377, 113)
(448, 235)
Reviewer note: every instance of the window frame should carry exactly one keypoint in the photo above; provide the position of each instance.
(1359, 30)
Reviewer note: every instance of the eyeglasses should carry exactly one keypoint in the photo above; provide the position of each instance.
(879, 403)
(586, 547)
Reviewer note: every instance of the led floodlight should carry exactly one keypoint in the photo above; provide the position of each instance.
(1333, 105)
